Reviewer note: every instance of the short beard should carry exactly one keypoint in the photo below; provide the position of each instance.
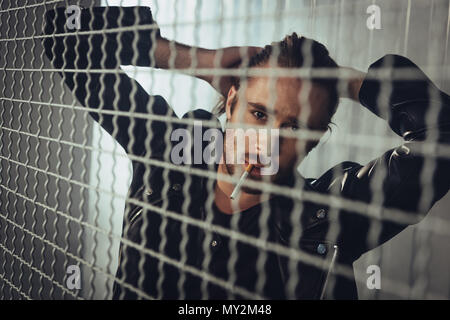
(281, 178)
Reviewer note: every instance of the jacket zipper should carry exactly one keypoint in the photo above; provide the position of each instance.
(134, 217)
(330, 268)
(151, 202)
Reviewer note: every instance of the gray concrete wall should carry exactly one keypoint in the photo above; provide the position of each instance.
(35, 193)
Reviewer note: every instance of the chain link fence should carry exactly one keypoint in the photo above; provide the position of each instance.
(94, 204)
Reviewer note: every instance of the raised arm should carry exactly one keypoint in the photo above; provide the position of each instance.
(398, 174)
(100, 45)
(103, 42)
(171, 54)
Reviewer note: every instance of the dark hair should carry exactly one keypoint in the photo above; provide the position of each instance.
(290, 53)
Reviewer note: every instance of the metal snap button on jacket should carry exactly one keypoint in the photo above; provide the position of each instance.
(321, 248)
(148, 192)
(176, 187)
(214, 243)
(321, 213)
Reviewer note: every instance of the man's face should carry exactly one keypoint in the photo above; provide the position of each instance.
(287, 104)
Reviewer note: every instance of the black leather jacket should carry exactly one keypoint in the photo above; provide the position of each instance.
(330, 233)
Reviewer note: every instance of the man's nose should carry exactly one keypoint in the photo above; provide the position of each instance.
(266, 140)
(277, 125)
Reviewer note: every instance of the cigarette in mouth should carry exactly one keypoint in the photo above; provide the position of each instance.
(241, 181)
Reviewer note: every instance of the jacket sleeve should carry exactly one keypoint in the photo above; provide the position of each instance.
(88, 58)
(406, 180)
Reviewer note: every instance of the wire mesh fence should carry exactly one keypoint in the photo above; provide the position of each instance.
(136, 164)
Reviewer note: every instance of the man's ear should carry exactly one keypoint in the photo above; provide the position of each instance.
(231, 97)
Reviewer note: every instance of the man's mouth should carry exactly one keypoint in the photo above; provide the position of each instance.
(256, 171)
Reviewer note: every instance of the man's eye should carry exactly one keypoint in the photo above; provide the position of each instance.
(258, 115)
(295, 127)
